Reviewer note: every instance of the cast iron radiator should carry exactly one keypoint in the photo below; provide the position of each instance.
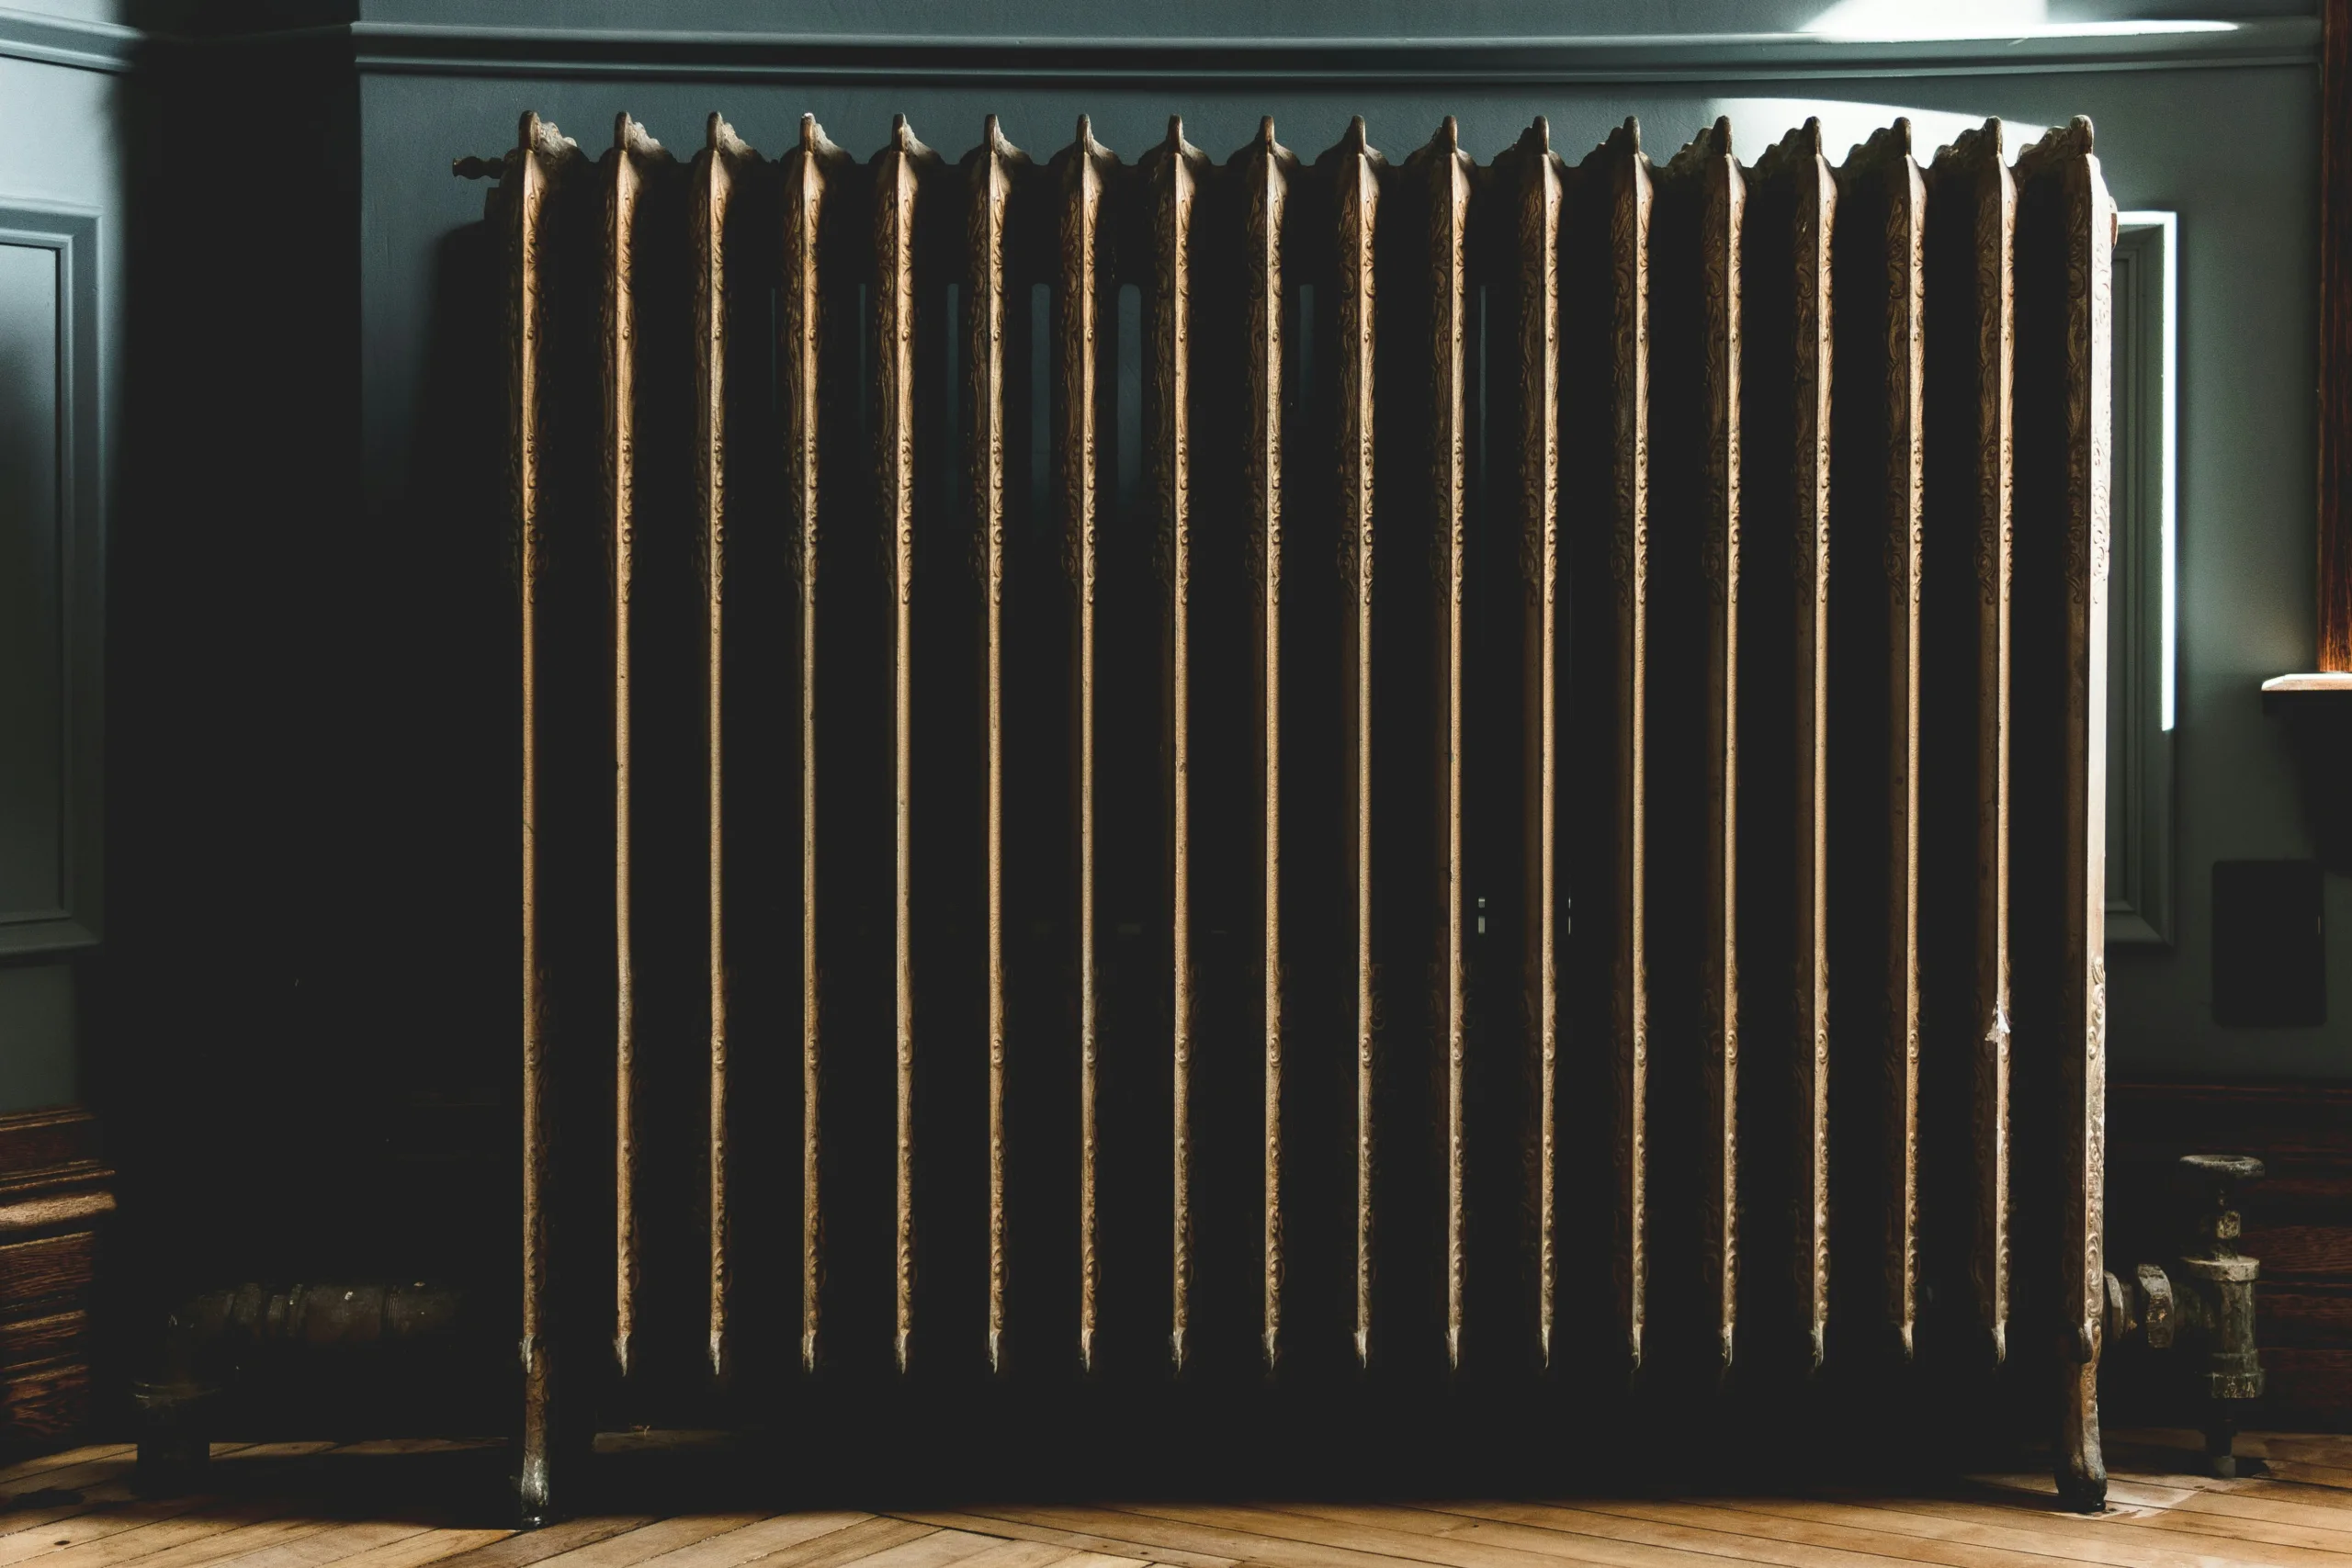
(1347, 769)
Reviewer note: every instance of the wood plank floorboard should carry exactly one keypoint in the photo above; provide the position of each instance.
(37, 1533)
(2248, 1538)
(525, 1548)
(1952, 1545)
(757, 1543)
(1715, 1533)
(1076, 1539)
(292, 1506)
(333, 1543)
(1161, 1534)
(1353, 1528)
(649, 1541)
(2047, 1533)
(13, 1477)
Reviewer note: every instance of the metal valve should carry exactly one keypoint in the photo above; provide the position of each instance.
(2203, 1300)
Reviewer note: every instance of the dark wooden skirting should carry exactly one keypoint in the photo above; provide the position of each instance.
(2297, 1219)
(55, 1195)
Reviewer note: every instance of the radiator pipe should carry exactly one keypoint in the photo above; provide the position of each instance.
(2202, 1302)
(222, 1339)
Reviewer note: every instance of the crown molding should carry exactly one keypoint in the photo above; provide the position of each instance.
(721, 55)
(732, 55)
(72, 41)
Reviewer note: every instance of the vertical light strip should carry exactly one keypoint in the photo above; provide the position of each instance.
(1175, 176)
(1082, 239)
(896, 186)
(990, 209)
(1356, 188)
(1269, 164)
(2171, 545)
(715, 184)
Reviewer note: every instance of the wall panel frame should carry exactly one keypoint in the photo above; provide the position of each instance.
(2141, 657)
(75, 601)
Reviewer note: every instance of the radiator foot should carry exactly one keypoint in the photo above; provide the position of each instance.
(2082, 1468)
(174, 1438)
(2221, 1442)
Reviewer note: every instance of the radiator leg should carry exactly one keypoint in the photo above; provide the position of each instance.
(2220, 1440)
(2082, 1469)
(175, 1449)
(536, 1495)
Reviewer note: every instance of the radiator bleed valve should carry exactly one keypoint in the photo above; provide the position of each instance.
(2203, 1302)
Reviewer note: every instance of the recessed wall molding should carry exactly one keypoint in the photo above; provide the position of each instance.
(75, 41)
(52, 603)
(2141, 657)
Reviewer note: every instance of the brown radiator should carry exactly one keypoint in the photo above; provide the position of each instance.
(1319, 770)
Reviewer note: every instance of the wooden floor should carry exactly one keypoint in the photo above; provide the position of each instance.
(289, 1505)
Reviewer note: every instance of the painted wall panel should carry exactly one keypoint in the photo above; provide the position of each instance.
(62, 132)
(32, 840)
(39, 1064)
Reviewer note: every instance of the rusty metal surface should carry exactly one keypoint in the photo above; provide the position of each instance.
(900, 174)
(541, 154)
(809, 175)
(635, 157)
(1799, 173)
(1540, 175)
(715, 175)
(1619, 173)
(1974, 185)
(1443, 171)
(1266, 167)
(992, 170)
(1173, 173)
(1897, 189)
(1354, 170)
(2065, 238)
(1085, 171)
(1724, 198)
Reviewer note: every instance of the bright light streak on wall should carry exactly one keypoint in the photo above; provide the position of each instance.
(1891, 20)
(2168, 379)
